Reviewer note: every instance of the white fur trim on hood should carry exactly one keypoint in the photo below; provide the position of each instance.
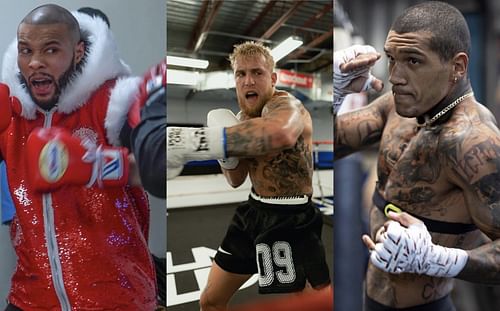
(102, 63)
(122, 97)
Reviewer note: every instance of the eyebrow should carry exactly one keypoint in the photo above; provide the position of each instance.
(250, 69)
(410, 51)
(51, 42)
(406, 51)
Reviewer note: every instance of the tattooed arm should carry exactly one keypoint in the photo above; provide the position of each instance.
(283, 120)
(361, 128)
(474, 162)
(279, 127)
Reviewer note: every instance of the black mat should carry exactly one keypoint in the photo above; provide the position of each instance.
(205, 227)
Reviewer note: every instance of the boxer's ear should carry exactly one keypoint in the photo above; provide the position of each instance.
(460, 64)
(79, 51)
(274, 78)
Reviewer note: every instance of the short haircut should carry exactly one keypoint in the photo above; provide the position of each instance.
(449, 31)
(54, 14)
(251, 49)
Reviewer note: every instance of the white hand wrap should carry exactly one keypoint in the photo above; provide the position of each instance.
(192, 144)
(341, 80)
(411, 250)
(392, 254)
(225, 118)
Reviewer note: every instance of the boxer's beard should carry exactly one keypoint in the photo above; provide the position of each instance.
(255, 111)
(60, 85)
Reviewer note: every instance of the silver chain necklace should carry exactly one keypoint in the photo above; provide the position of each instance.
(438, 115)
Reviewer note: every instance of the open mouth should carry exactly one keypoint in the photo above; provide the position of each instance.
(41, 86)
(251, 95)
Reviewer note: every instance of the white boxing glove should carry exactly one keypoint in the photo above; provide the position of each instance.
(411, 250)
(225, 118)
(173, 172)
(342, 80)
(193, 144)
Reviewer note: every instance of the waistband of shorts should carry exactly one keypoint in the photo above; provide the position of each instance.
(431, 224)
(281, 200)
(443, 303)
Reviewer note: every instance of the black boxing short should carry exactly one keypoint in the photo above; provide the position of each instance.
(280, 238)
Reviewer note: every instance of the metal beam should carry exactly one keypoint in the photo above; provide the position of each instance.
(316, 17)
(208, 24)
(195, 33)
(259, 18)
(282, 20)
(317, 41)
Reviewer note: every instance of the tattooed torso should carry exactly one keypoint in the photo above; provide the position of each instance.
(288, 172)
(422, 171)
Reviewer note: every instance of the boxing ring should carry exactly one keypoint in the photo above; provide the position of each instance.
(208, 189)
(199, 209)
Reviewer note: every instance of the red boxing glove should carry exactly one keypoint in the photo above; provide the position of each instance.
(151, 89)
(7, 104)
(153, 81)
(56, 158)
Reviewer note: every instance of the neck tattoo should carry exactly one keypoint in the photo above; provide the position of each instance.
(428, 122)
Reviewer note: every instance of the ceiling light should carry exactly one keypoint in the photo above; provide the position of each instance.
(187, 62)
(182, 77)
(285, 47)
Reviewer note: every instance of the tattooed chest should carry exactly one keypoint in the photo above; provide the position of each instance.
(286, 173)
(408, 165)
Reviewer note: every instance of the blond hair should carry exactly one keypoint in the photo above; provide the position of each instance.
(250, 49)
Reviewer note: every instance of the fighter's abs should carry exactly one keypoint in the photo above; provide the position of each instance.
(284, 174)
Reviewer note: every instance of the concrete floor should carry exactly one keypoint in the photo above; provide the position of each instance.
(193, 236)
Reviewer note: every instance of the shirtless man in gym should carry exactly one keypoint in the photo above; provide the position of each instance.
(438, 165)
(277, 232)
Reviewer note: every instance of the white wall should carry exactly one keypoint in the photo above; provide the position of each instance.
(139, 28)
